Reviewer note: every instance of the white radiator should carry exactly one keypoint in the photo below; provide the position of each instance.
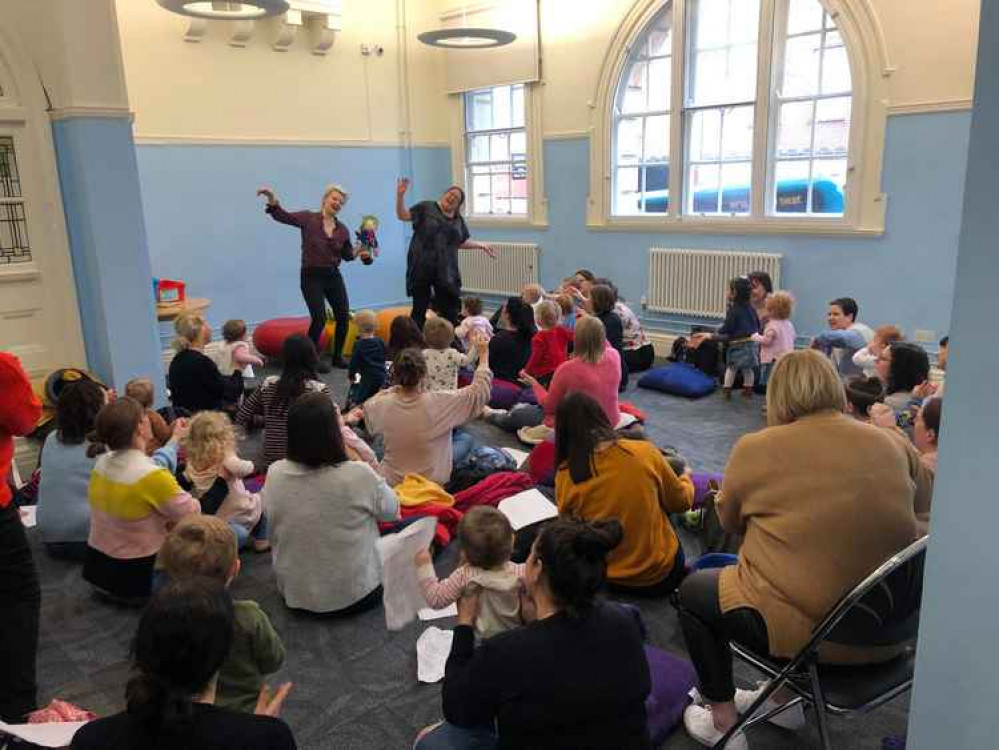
(694, 282)
(516, 264)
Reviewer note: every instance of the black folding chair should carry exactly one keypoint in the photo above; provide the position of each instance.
(882, 610)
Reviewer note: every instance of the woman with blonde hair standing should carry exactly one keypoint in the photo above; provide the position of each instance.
(325, 243)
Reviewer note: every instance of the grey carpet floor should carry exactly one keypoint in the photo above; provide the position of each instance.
(355, 682)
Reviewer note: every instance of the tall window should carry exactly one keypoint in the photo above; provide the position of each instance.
(14, 246)
(746, 150)
(496, 151)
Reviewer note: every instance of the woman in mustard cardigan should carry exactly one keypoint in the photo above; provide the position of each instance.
(601, 476)
(821, 500)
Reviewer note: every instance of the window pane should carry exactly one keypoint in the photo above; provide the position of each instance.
(635, 98)
(518, 180)
(745, 21)
(479, 109)
(499, 147)
(656, 189)
(832, 126)
(794, 129)
(835, 70)
(660, 40)
(502, 111)
(481, 200)
(792, 187)
(801, 66)
(660, 72)
(518, 144)
(657, 139)
(710, 18)
(828, 186)
(517, 116)
(737, 133)
(518, 206)
(629, 140)
(478, 148)
(705, 135)
(627, 199)
(703, 188)
(723, 51)
(735, 182)
(804, 15)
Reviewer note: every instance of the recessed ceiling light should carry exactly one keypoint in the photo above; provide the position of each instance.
(224, 10)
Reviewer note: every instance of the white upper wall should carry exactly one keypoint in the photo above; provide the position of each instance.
(210, 90)
(930, 43)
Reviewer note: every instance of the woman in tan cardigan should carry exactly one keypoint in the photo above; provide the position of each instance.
(821, 500)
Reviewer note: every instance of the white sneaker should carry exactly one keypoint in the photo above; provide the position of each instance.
(793, 718)
(701, 727)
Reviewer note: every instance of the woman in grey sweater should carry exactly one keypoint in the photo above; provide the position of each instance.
(323, 512)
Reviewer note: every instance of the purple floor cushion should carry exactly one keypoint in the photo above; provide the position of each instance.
(672, 679)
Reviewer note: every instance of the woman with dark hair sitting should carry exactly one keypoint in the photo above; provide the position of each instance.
(416, 424)
(602, 301)
(323, 512)
(67, 461)
(510, 347)
(268, 405)
(575, 677)
(902, 367)
(183, 638)
(601, 476)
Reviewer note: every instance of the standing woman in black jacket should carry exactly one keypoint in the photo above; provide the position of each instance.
(325, 243)
(575, 677)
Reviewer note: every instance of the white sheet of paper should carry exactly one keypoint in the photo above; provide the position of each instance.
(518, 456)
(29, 515)
(438, 614)
(432, 650)
(526, 508)
(248, 372)
(57, 734)
(401, 595)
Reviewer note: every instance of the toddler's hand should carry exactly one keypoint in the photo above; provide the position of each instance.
(180, 429)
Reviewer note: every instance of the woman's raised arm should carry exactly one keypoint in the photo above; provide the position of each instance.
(401, 186)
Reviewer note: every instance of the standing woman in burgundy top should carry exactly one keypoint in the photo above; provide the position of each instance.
(325, 242)
(439, 231)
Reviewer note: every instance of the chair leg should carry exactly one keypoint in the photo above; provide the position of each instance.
(820, 707)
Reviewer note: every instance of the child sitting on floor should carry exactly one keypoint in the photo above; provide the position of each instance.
(473, 320)
(741, 322)
(366, 372)
(443, 362)
(550, 345)
(211, 455)
(778, 336)
(861, 394)
(205, 547)
(141, 389)
(486, 539)
(867, 357)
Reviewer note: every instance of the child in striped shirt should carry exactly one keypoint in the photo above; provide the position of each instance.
(486, 539)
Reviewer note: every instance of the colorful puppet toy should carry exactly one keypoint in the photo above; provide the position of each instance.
(367, 239)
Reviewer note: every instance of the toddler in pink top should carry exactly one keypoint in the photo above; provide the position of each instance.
(778, 336)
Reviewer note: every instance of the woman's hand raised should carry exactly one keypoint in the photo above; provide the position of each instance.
(401, 186)
(269, 195)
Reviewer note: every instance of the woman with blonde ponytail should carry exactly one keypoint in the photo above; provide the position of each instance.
(194, 379)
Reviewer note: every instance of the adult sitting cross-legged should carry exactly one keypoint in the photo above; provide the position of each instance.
(796, 502)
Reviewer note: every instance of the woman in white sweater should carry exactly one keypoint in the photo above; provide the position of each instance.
(323, 512)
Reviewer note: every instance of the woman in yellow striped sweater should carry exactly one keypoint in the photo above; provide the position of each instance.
(133, 499)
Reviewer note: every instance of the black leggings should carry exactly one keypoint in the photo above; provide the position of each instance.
(443, 299)
(707, 633)
(639, 359)
(320, 285)
(20, 603)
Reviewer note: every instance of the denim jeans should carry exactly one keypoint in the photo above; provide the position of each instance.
(450, 737)
(463, 443)
(243, 536)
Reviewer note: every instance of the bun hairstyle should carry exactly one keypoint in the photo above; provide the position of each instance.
(573, 555)
(115, 426)
(183, 637)
(409, 368)
(863, 392)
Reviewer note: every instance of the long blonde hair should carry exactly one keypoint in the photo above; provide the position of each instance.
(590, 338)
(210, 438)
(188, 329)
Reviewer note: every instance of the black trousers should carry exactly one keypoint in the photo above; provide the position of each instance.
(443, 299)
(319, 286)
(640, 359)
(20, 605)
(707, 633)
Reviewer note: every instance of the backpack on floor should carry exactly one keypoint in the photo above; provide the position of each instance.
(679, 379)
(480, 463)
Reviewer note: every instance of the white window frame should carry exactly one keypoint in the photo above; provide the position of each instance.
(537, 202)
(870, 70)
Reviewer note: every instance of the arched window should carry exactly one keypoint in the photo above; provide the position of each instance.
(728, 114)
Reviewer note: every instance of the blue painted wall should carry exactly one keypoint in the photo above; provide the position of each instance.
(904, 277)
(205, 226)
(99, 180)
